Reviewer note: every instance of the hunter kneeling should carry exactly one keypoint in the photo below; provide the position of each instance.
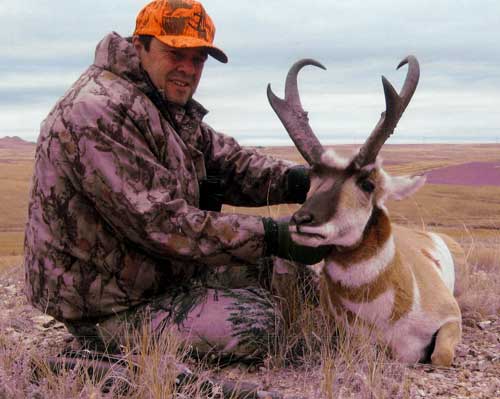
(124, 215)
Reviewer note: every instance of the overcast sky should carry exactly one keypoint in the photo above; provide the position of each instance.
(47, 44)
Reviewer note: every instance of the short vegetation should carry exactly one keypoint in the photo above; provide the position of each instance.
(313, 357)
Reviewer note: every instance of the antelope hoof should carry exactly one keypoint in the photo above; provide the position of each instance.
(442, 357)
(447, 339)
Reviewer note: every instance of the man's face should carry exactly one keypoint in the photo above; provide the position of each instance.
(175, 72)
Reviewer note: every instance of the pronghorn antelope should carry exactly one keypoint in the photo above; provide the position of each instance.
(397, 280)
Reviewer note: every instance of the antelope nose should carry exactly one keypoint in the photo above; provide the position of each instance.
(302, 218)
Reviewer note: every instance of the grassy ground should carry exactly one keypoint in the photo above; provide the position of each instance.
(16, 168)
(347, 366)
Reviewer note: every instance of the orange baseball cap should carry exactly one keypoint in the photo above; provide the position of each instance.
(179, 24)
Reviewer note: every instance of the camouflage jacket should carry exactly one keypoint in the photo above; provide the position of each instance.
(113, 213)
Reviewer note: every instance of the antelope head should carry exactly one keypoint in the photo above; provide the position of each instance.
(345, 194)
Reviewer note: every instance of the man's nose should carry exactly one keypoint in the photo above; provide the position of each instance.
(187, 66)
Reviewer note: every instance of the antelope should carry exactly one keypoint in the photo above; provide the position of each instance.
(398, 281)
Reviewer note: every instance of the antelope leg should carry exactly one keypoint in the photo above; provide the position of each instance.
(447, 339)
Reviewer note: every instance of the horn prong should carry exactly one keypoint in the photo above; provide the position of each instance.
(395, 106)
(293, 116)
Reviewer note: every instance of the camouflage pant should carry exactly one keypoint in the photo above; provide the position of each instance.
(236, 312)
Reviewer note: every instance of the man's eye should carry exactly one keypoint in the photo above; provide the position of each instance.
(367, 186)
(199, 61)
(175, 55)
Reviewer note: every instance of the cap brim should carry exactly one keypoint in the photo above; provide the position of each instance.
(218, 54)
(190, 42)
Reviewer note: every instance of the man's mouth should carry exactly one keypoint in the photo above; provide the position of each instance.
(180, 83)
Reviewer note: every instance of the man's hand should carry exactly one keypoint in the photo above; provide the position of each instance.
(280, 244)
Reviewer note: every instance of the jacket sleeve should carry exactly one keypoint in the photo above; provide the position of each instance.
(251, 178)
(107, 159)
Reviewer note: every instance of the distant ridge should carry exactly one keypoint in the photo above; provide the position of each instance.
(14, 141)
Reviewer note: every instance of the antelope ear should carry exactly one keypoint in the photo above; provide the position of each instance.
(400, 187)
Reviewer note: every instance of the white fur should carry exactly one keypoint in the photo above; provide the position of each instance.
(345, 229)
(443, 255)
(349, 226)
(399, 187)
(365, 271)
(333, 160)
(377, 311)
(377, 164)
(410, 335)
(407, 336)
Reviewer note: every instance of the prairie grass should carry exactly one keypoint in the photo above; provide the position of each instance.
(11, 243)
(356, 366)
(19, 380)
(150, 370)
(346, 359)
(15, 179)
(344, 362)
(9, 262)
(330, 362)
(481, 283)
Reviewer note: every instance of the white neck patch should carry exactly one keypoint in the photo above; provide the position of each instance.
(364, 272)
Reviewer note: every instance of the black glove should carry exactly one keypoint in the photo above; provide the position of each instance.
(279, 243)
(297, 184)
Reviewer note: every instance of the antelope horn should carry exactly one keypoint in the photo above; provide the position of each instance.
(395, 106)
(293, 117)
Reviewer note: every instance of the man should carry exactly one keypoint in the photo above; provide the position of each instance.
(124, 223)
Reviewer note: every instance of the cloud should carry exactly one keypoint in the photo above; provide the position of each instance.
(48, 43)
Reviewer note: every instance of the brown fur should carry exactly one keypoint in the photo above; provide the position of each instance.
(412, 258)
(448, 337)
(375, 236)
(429, 255)
(396, 275)
(425, 271)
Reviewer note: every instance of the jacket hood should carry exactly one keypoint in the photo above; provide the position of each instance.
(117, 55)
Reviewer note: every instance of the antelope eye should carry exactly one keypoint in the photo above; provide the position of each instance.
(367, 186)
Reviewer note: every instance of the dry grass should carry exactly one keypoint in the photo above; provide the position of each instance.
(343, 358)
(11, 243)
(10, 261)
(358, 367)
(347, 365)
(312, 355)
(481, 283)
(16, 168)
(150, 371)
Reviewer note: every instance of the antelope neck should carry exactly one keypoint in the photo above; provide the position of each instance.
(362, 264)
